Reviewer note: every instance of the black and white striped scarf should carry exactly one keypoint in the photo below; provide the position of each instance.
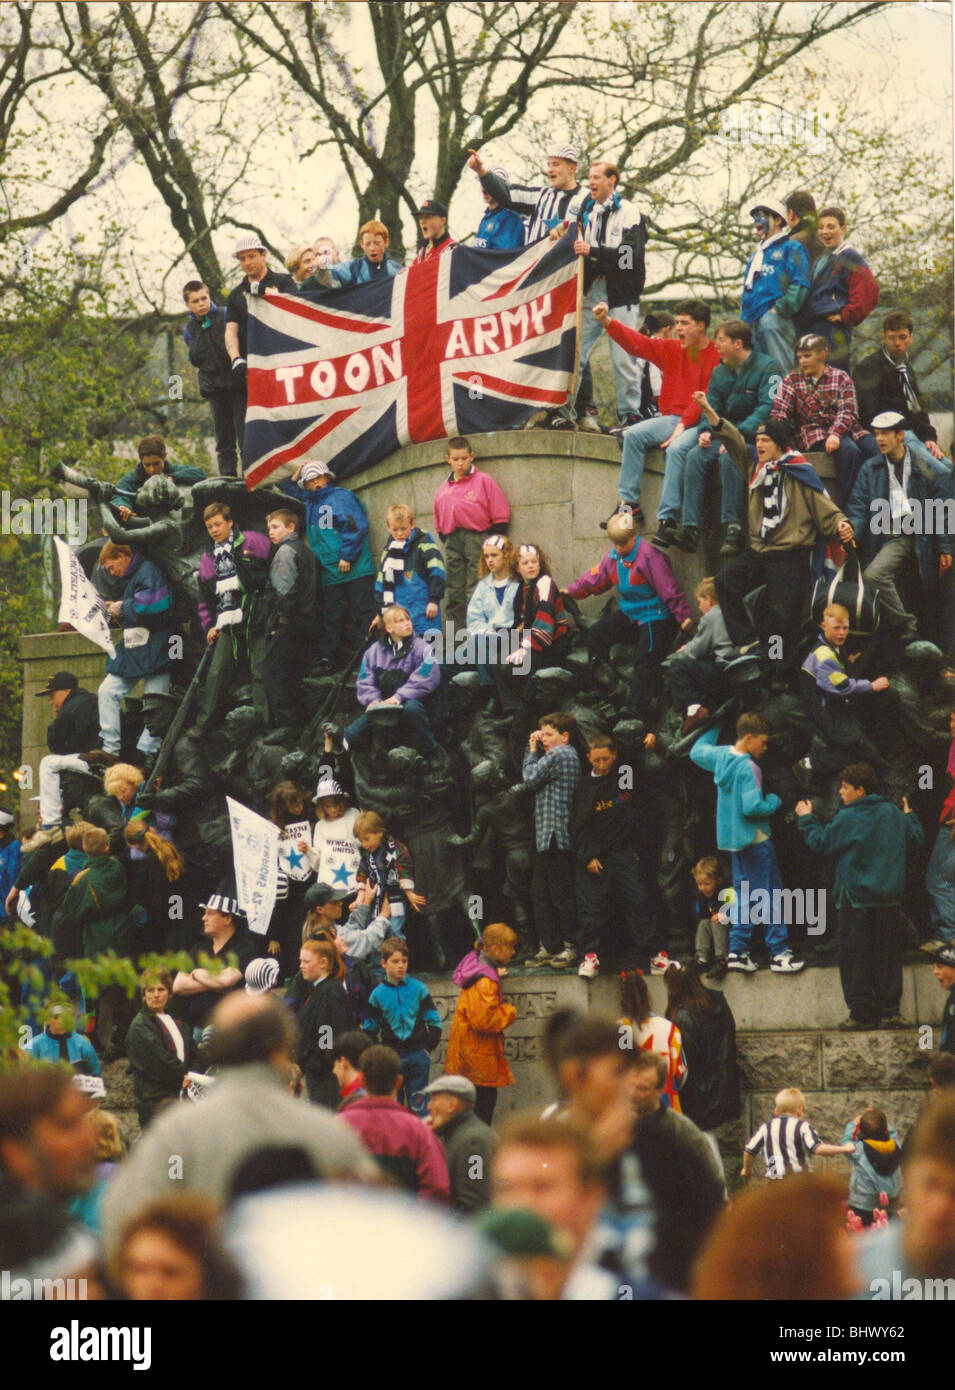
(392, 568)
(774, 499)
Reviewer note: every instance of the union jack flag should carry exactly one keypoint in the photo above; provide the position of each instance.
(464, 342)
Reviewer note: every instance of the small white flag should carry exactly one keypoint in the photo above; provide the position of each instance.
(255, 842)
(80, 605)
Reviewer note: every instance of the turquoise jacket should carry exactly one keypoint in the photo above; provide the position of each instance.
(866, 877)
(741, 809)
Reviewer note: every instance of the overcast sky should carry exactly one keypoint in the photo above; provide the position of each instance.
(904, 57)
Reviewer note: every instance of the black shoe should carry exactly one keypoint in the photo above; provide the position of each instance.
(895, 1023)
(635, 510)
(718, 970)
(686, 538)
(666, 530)
(560, 422)
(855, 1025)
(732, 540)
(618, 430)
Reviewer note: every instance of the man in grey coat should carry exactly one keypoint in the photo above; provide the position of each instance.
(200, 1148)
(468, 1142)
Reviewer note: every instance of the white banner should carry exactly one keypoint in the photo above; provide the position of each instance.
(80, 604)
(255, 855)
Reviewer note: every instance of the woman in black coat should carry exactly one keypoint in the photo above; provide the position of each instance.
(324, 1014)
(710, 1093)
(159, 1048)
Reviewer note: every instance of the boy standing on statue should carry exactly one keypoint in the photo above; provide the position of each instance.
(468, 506)
(742, 829)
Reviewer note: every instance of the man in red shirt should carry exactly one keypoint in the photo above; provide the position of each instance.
(687, 362)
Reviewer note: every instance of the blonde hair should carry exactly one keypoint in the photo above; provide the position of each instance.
(74, 833)
(399, 511)
(621, 527)
(510, 559)
(393, 608)
(706, 589)
(109, 1139)
(835, 610)
(708, 867)
(121, 775)
(140, 834)
(294, 258)
(369, 823)
(95, 841)
(789, 1100)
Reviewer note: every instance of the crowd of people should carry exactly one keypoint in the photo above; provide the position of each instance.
(449, 748)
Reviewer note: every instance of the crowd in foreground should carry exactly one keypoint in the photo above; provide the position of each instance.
(251, 1192)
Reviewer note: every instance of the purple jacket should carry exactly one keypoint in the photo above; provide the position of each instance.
(644, 560)
(413, 657)
(471, 968)
(252, 552)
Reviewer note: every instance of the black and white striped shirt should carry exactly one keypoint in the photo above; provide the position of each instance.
(786, 1142)
(545, 207)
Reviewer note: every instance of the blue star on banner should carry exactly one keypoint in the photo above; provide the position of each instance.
(341, 875)
(294, 858)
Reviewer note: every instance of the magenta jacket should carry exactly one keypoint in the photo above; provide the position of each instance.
(646, 565)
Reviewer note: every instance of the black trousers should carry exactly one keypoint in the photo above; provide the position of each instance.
(285, 663)
(870, 961)
(347, 610)
(651, 642)
(611, 907)
(485, 1103)
(694, 680)
(228, 415)
(552, 888)
(786, 576)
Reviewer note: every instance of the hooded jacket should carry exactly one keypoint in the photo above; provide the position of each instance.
(96, 904)
(742, 811)
(864, 878)
(876, 1168)
(500, 229)
(336, 525)
(782, 282)
(421, 582)
(412, 657)
(147, 604)
(476, 1040)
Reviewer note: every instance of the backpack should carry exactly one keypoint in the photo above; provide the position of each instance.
(848, 588)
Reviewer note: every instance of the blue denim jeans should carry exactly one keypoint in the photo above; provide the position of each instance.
(636, 441)
(671, 496)
(756, 866)
(776, 337)
(732, 488)
(419, 730)
(940, 883)
(415, 1069)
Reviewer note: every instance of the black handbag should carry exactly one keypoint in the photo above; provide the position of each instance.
(848, 588)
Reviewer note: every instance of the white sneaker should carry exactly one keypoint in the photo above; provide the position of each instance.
(589, 966)
(542, 957)
(568, 956)
(741, 960)
(785, 964)
(590, 421)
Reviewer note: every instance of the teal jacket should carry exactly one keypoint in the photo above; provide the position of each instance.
(741, 809)
(744, 397)
(869, 839)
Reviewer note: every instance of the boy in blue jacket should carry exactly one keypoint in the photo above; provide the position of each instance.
(402, 1015)
(412, 570)
(742, 828)
(869, 838)
(336, 527)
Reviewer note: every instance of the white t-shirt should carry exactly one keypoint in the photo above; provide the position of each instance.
(335, 852)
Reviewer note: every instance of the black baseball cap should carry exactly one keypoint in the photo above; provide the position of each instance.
(61, 680)
(432, 208)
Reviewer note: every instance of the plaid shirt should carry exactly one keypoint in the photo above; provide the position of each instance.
(554, 776)
(816, 409)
